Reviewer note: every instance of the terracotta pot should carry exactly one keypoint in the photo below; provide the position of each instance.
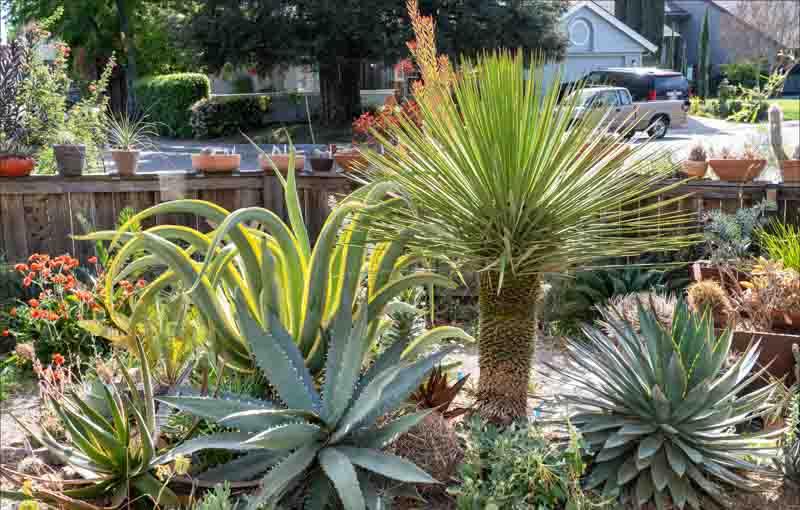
(786, 321)
(127, 161)
(219, 163)
(737, 170)
(702, 271)
(791, 171)
(16, 167)
(321, 164)
(70, 159)
(282, 162)
(350, 161)
(695, 168)
(775, 348)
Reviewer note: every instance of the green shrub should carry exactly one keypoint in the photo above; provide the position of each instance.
(168, 99)
(243, 85)
(741, 74)
(518, 468)
(660, 413)
(222, 116)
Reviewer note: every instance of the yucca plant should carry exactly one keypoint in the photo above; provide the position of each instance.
(112, 442)
(503, 180)
(782, 242)
(328, 438)
(275, 269)
(660, 413)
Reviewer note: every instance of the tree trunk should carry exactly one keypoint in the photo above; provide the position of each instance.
(507, 338)
(131, 73)
(339, 84)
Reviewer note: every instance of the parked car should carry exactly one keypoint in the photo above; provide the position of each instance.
(625, 115)
(644, 83)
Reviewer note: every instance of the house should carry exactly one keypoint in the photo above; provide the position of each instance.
(731, 40)
(597, 39)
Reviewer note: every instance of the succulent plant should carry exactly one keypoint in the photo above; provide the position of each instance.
(113, 438)
(627, 307)
(697, 151)
(437, 393)
(708, 295)
(275, 269)
(659, 416)
(328, 437)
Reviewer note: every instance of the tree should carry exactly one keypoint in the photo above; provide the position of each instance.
(703, 59)
(338, 36)
(500, 181)
(644, 16)
(756, 30)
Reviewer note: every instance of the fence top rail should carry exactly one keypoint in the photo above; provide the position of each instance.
(49, 184)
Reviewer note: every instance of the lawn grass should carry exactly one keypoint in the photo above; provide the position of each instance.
(790, 107)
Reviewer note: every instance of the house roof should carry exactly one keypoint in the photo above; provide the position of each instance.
(592, 6)
(721, 6)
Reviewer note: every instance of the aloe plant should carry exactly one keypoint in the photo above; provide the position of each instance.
(276, 269)
(660, 415)
(328, 437)
(112, 441)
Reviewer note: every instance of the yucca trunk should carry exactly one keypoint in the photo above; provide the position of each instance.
(506, 342)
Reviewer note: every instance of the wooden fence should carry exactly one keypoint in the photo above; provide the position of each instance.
(38, 214)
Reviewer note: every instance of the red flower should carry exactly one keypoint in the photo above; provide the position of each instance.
(58, 359)
(22, 268)
(33, 257)
(36, 313)
(92, 260)
(141, 284)
(6, 333)
(36, 266)
(27, 281)
(33, 303)
(125, 284)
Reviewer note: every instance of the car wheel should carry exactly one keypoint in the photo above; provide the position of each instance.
(658, 129)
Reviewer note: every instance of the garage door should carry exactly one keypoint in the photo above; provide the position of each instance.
(578, 67)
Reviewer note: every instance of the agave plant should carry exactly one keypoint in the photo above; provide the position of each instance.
(112, 442)
(659, 416)
(501, 179)
(275, 269)
(330, 439)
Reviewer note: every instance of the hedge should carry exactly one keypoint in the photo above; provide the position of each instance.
(223, 116)
(168, 99)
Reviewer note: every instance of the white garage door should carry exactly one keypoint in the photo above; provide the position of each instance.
(577, 67)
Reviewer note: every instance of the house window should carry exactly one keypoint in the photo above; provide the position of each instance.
(580, 33)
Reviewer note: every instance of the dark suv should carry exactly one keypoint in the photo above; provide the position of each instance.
(644, 83)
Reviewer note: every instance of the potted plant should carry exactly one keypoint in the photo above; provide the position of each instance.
(216, 160)
(280, 160)
(790, 167)
(697, 163)
(349, 159)
(69, 154)
(738, 167)
(127, 137)
(321, 161)
(16, 160)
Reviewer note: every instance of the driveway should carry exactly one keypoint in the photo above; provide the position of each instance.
(175, 155)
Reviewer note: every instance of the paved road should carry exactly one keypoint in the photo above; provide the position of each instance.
(175, 155)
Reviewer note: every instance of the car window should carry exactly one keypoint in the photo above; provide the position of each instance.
(597, 78)
(606, 99)
(665, 84)
(624, 98)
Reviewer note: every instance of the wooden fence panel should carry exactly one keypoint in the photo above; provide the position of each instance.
(41, 213)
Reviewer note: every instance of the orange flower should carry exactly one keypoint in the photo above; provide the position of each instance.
(141, 284)
(36, 266)
(60, 279)
(92, 260)
(12, 312)
(33, 257)
(21, 268)
(52, 316)
(6, 333)
(36, 313)
(33, 303)
(58, 359)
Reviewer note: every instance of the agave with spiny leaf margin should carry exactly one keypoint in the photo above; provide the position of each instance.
(660, 415)
(274, 267)
(329, 437)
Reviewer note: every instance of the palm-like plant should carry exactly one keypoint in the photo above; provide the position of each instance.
(275, 270)
(503, 180)
(660, 414)
(331, 439)
(129, 133)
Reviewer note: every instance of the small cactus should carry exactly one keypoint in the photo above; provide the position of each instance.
(776, 132)
(697, 151)
(709, 294)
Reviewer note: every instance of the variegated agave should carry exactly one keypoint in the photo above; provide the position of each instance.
(660, 416)
(330, 439)
(273, 267)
